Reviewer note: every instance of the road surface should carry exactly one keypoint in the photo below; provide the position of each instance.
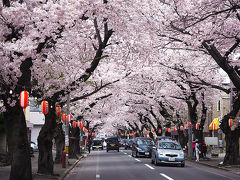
(100, 165)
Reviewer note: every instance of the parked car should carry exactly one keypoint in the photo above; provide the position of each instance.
(128, 144)
(142, 147)
(34, 146)
(112, 143)
(97, 144)
(168, 152)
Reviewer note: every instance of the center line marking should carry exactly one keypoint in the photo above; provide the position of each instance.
(125, 153)
(129, 155)
(149, 166)
(138, 160)
(167, 177)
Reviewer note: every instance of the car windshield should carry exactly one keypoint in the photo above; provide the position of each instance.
(145, 142)
(169, 145)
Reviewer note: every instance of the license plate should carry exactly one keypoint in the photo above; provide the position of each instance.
(112, 145)
(97, 147)
(146, 153)
(171, 159)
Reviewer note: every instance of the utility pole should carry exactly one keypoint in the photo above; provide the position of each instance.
(190, 149)
(67, 129)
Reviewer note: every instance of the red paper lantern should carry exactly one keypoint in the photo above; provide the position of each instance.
(169, 130)
(213, 126)
(230, 121)
(24, 99)
(83, 125)
(137, 131)
(197, 126)
(174, 129)
(58, 111)
(74, 124)
(45, 107)
(69, 118)
(148, 132)
(80, 125)
(153, 130)
(64, 117)
(188, 124)
(181, 128)
(159, 131)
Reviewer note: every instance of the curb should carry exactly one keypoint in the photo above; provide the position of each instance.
(209, 165)
(70, 168)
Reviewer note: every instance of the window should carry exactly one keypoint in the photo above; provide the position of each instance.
(219, 105)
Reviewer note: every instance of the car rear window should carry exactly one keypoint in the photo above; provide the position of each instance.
(145, 142)
(112, 140)
(97, 142)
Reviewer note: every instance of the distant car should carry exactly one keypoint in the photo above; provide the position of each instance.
(123, 142)
(129, 143)
(164, 138)
(97, 144)
(34, 146)
(112, 143)
(168, 152)
(142, 147)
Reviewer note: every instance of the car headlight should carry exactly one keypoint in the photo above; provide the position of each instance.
(160, 153)
(139, 149)
(181, 154)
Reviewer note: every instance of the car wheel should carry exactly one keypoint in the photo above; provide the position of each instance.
(118, 150)
(107, 150)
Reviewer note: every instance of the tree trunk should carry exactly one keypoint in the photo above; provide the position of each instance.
(232, 147)
(181, 138)
(60, 143)
(74, 148)
(231, 136)
(45, 158)
(18, 144)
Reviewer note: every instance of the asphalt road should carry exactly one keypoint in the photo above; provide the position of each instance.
(100, 165)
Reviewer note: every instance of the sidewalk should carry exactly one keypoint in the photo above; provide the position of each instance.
(59, 172)
(216, 161)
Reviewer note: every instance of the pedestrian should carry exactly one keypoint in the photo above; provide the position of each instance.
(197, 151)
(89, 145)
(204, 150)
(193, 147)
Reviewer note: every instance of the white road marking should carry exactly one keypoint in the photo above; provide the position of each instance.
(149, 166)
(167, 177)
(97, 176)
(129, 155)
(137, 160)
(125, 153)
(97, 168)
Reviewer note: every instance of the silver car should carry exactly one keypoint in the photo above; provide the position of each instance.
(168, 152)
